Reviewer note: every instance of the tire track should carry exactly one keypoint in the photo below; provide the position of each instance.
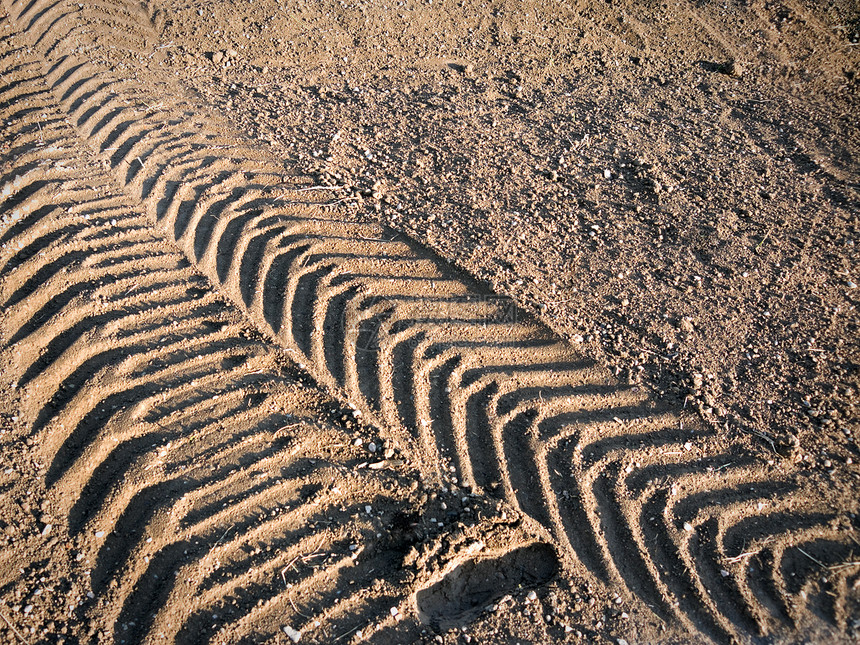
(174, 436)
(479, 391)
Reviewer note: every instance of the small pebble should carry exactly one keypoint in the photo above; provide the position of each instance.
(688, 526)
(294, 635)
(607, 174)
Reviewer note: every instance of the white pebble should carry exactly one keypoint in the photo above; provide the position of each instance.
(293, 634)
(394, 611)
(607, 174)
(688, 526)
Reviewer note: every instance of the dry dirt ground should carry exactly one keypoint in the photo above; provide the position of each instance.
(409, 321)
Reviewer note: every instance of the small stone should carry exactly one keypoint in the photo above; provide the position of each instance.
(532, 595)
(217, 57)
(394, 612)
(688, 527)
(46, 529)
(294, 635)
(734, 68)
(100, 534)
(607, 174)
(687, 325)
(371, 447)
(469, 69)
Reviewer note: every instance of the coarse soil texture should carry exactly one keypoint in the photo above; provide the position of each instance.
(398, 321)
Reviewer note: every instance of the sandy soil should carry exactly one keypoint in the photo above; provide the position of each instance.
(429, 322)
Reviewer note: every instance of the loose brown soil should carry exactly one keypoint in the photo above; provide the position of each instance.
(669, 192)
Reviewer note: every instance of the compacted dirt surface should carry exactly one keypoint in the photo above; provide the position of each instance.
(418, 321)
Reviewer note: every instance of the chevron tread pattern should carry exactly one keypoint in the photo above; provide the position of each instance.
(479, 391)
